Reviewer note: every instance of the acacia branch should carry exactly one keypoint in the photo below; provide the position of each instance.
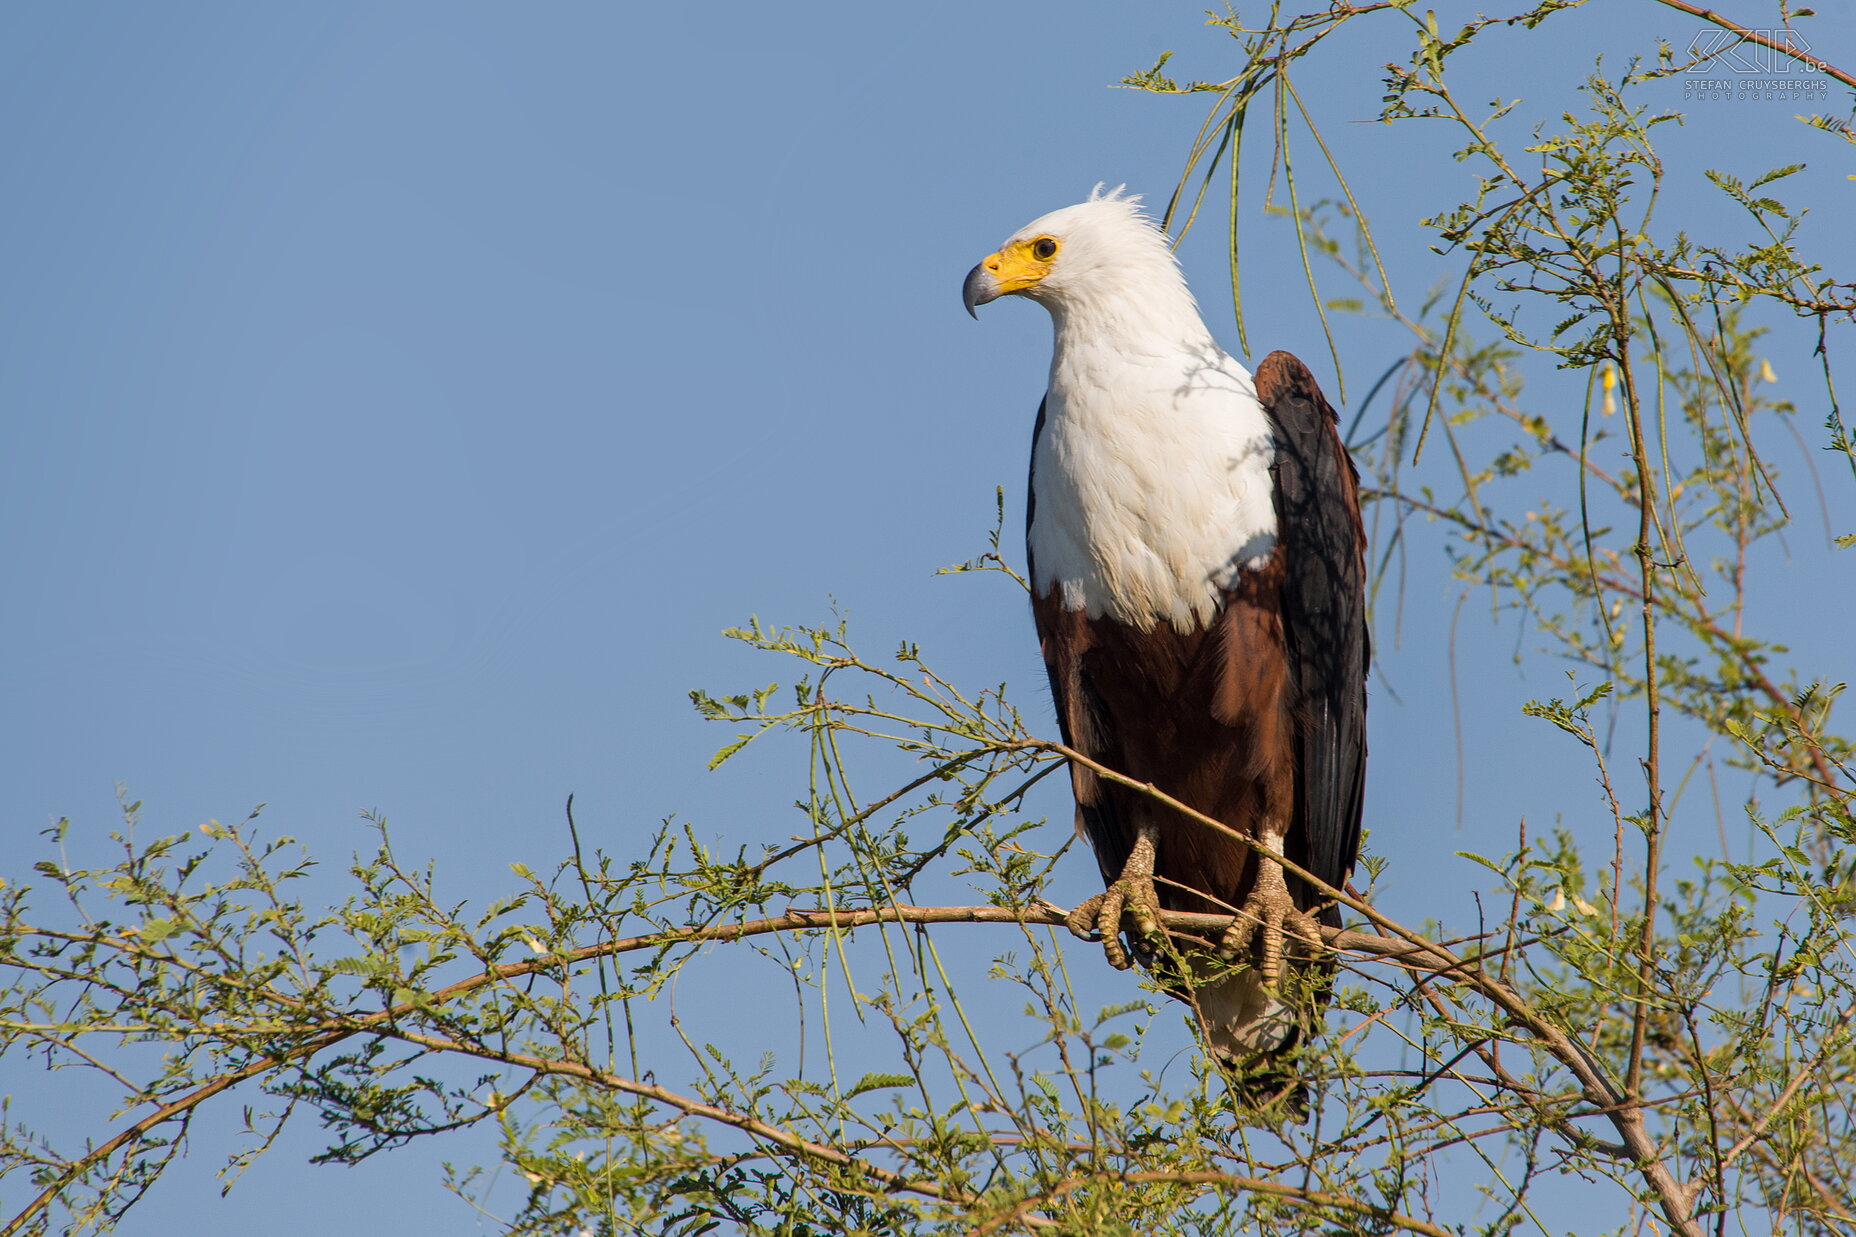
(332, 1031)
(893, 1182)
(1701, 621)
(174, 1110)
(1250, 1185)
(1804, 1073)
(1400, 945)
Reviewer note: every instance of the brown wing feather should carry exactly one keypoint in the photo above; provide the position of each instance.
(1323, 542)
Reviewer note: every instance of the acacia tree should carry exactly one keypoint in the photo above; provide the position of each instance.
(1670, 1031)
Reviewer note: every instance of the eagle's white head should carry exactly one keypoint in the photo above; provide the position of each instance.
(1102, 264)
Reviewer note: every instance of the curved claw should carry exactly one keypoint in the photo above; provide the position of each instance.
(1271, 910)
(1130, 902)
(1099, 919)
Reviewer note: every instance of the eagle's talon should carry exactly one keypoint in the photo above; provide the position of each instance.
(1235, 941)
(1098, 920)
(1271, 910)
(1130, 902)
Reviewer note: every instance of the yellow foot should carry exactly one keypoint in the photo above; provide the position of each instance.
(1270, 910)
(1130, 902)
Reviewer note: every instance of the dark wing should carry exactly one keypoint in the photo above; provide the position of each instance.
(1323, 547)
(1031, 488)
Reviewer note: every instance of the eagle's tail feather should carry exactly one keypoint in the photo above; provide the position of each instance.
(1252, 1033)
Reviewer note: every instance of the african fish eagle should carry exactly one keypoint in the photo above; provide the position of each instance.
(1198, 579)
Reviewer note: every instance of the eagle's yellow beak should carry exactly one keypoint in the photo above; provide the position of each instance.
(1020, 265)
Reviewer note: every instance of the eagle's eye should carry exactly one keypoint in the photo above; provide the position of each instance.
(1044, 248)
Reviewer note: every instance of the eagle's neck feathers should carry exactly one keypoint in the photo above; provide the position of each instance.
(1151, 474)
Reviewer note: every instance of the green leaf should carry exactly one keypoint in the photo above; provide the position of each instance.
(729, 749)
(1777, 174)
(878, 1082)
(159, 929)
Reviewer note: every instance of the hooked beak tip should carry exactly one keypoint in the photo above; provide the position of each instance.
(979, 288)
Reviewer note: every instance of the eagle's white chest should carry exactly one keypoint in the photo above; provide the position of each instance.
(1152, 486)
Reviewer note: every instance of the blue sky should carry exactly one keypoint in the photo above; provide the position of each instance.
(400, 399)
